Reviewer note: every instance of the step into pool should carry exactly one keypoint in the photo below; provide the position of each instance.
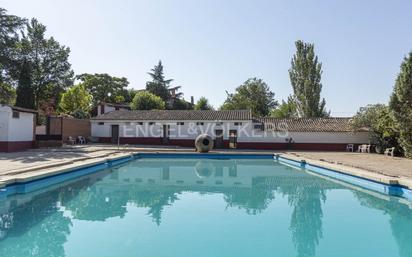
(204, 207)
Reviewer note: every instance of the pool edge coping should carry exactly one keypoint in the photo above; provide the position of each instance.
(352, 171)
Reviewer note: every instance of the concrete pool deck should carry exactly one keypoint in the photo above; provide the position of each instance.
(22, 166)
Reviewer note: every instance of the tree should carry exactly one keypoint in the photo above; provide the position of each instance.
(7, 94)
(50, 70)
(76, 101)
(380, 123)
(285, 110)
(305, 77)
(401, 105)
(105, 88)
(180, 104)
(203, 104)
(25, 92)
(254, 94)
(10, 26)
(144, 100)
(159, 85)
(130, 95)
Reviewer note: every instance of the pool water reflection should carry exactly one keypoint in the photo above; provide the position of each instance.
(200, 207)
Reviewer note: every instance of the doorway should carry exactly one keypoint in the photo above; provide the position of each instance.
(232, 138)
(218, 138)
(166, 134)
(115, 134)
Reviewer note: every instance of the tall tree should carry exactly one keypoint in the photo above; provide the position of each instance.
(144, 100)
(305, 77)
(203, 104)
(255, 95)
(25, 93)
(76, 100)
(10, 26)
(401, 105)
(159, 85)
(51, 71)
(105, 88)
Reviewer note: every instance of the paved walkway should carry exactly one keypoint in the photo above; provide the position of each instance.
(10, 162)
(378, 163)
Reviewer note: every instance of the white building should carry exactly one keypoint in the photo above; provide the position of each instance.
(230, 129)
(103, 108)
(17, 128)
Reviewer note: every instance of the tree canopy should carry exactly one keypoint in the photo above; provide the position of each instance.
(305, 77)
(45, 61)
(10, 27)
(159, 85)
(285, 110)
(76, 100)
(144, 100)
(401, 105)
(105, 88)
(254, 94)
(379, 121)
(203, 104)
(7, 94)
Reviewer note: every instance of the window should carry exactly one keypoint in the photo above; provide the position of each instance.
(238, 123)
(140, 123)
(219, 123)
(259, 126)
(200, 123)
(16, 114)
(151, 123)
(100, 123)
(180, 123)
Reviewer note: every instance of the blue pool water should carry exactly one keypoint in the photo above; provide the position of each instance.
(179, 207)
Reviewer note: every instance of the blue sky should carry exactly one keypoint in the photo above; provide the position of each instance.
(214, 45)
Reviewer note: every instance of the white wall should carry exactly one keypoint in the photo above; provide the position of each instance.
(189, 130)
(4, 122)
(15, 129)
(246, 132)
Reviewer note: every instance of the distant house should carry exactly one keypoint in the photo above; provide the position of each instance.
(229, 129)
(103, 108)
(17, 128)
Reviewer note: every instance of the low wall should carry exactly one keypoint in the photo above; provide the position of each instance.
(16, 146)
(65, 128)
(75, 128)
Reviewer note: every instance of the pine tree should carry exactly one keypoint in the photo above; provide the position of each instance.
(401, 105)
(305, 77)
(159, 85)
(25, 94)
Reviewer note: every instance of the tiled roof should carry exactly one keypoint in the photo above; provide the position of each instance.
(308, 124)
(176, 115)
(21, 109)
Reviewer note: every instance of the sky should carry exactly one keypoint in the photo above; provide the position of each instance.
(212, 46)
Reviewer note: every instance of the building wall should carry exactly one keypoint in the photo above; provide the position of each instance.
(107, 108)
(16, 134)
(5, 115)
(247, 136)
(22, 129)
(189, 130)
(75, 128)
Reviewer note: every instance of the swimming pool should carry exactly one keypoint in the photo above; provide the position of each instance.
(190, 206)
